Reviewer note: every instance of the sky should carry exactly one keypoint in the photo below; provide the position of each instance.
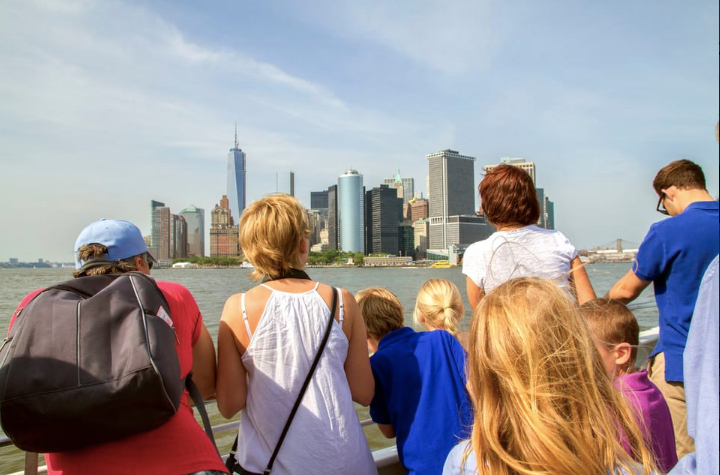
(106, 105)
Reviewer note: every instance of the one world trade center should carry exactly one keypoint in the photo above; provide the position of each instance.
(236, 183)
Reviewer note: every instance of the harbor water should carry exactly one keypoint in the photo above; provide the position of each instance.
(211, 287)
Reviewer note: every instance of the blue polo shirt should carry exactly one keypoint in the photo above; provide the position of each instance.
(420, 390)
(674, 256)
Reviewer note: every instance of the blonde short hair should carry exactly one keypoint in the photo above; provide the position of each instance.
(543, 402)
(381, 311)
(271, 231)
(612, 323)
(440, 303)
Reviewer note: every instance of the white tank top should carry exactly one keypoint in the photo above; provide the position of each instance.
(325, 436)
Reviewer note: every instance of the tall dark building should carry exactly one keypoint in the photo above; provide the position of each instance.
(381, 208)
(451, 191)
(236, 180)
(332, 221)
(406, 239)
(319, 200)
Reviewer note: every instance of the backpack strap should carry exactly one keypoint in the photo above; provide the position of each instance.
(200, 406)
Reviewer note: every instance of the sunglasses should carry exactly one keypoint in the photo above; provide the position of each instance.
(661, 207)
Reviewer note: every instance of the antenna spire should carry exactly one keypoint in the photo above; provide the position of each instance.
(237, 145)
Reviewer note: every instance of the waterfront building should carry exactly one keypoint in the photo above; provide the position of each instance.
(168, 234)
(350, 205)
(516, 162)
(418, 209)
(178, 237)
(332, 219)
(406, 239)
(383, 261)
(319, 203)
(224, 237)
(195, 219)
(160, 232)
(381, 220)
(547, 218)
(406, 186)
(451, 190)
(420, 235)
(236, 179)
(314, 220)
(549, 211)
(285, 183)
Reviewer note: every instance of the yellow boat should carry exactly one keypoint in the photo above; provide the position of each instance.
(442, 264)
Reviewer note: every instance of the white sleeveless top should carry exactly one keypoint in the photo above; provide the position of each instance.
(325, 436)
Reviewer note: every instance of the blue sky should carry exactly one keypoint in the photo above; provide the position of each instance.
(106, 105)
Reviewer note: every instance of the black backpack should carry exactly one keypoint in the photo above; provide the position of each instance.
(88, 361)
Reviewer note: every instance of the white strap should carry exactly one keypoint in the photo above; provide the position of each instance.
(247, 324)
(342, 307)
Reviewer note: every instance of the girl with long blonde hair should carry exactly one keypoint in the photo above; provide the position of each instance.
(543, 404)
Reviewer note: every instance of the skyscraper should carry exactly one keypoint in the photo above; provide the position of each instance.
(381, 220)
(451, 189)
(236, 180)
(224, 239)
(351, 219)
(285, 182)
(195, 219)
(516, 162)
(407, 185)
(168, 234)
(332, 220)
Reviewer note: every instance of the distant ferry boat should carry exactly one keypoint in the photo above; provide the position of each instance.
(184, 265)
(442, 265)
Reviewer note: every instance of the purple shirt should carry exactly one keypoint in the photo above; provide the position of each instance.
(653, 416)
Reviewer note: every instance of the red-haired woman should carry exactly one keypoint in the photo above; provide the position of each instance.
(519, 248)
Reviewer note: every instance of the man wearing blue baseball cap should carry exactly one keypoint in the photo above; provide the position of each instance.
(179, 446)
(122, 242)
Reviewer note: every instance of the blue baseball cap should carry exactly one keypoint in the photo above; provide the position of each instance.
(122, 238)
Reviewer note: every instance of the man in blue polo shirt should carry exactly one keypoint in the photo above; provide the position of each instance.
(674, 256)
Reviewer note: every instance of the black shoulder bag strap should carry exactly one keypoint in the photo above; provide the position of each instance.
(231, 461)
(200, 406)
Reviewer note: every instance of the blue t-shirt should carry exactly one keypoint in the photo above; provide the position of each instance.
(674, 256)
(420, 391)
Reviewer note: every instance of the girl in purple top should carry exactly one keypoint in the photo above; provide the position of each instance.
(615, 333)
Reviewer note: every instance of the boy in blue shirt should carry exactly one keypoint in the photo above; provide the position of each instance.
(420, 395)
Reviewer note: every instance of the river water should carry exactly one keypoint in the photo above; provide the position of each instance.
(211, 287)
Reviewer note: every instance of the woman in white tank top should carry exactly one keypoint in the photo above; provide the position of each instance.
(267, 341)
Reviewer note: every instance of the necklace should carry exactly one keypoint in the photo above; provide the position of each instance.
(289, 274)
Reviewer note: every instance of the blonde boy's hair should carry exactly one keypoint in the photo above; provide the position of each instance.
(440, 304)
(542, 400)
(381, 311)
(271, 231)
(612, 323)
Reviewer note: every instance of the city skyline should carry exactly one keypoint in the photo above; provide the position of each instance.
(107, 105)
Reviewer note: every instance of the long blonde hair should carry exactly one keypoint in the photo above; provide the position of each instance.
(543, 404)
(440, 305)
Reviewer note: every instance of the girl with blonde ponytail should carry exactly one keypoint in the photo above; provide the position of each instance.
(439, 306)
(543, 404)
